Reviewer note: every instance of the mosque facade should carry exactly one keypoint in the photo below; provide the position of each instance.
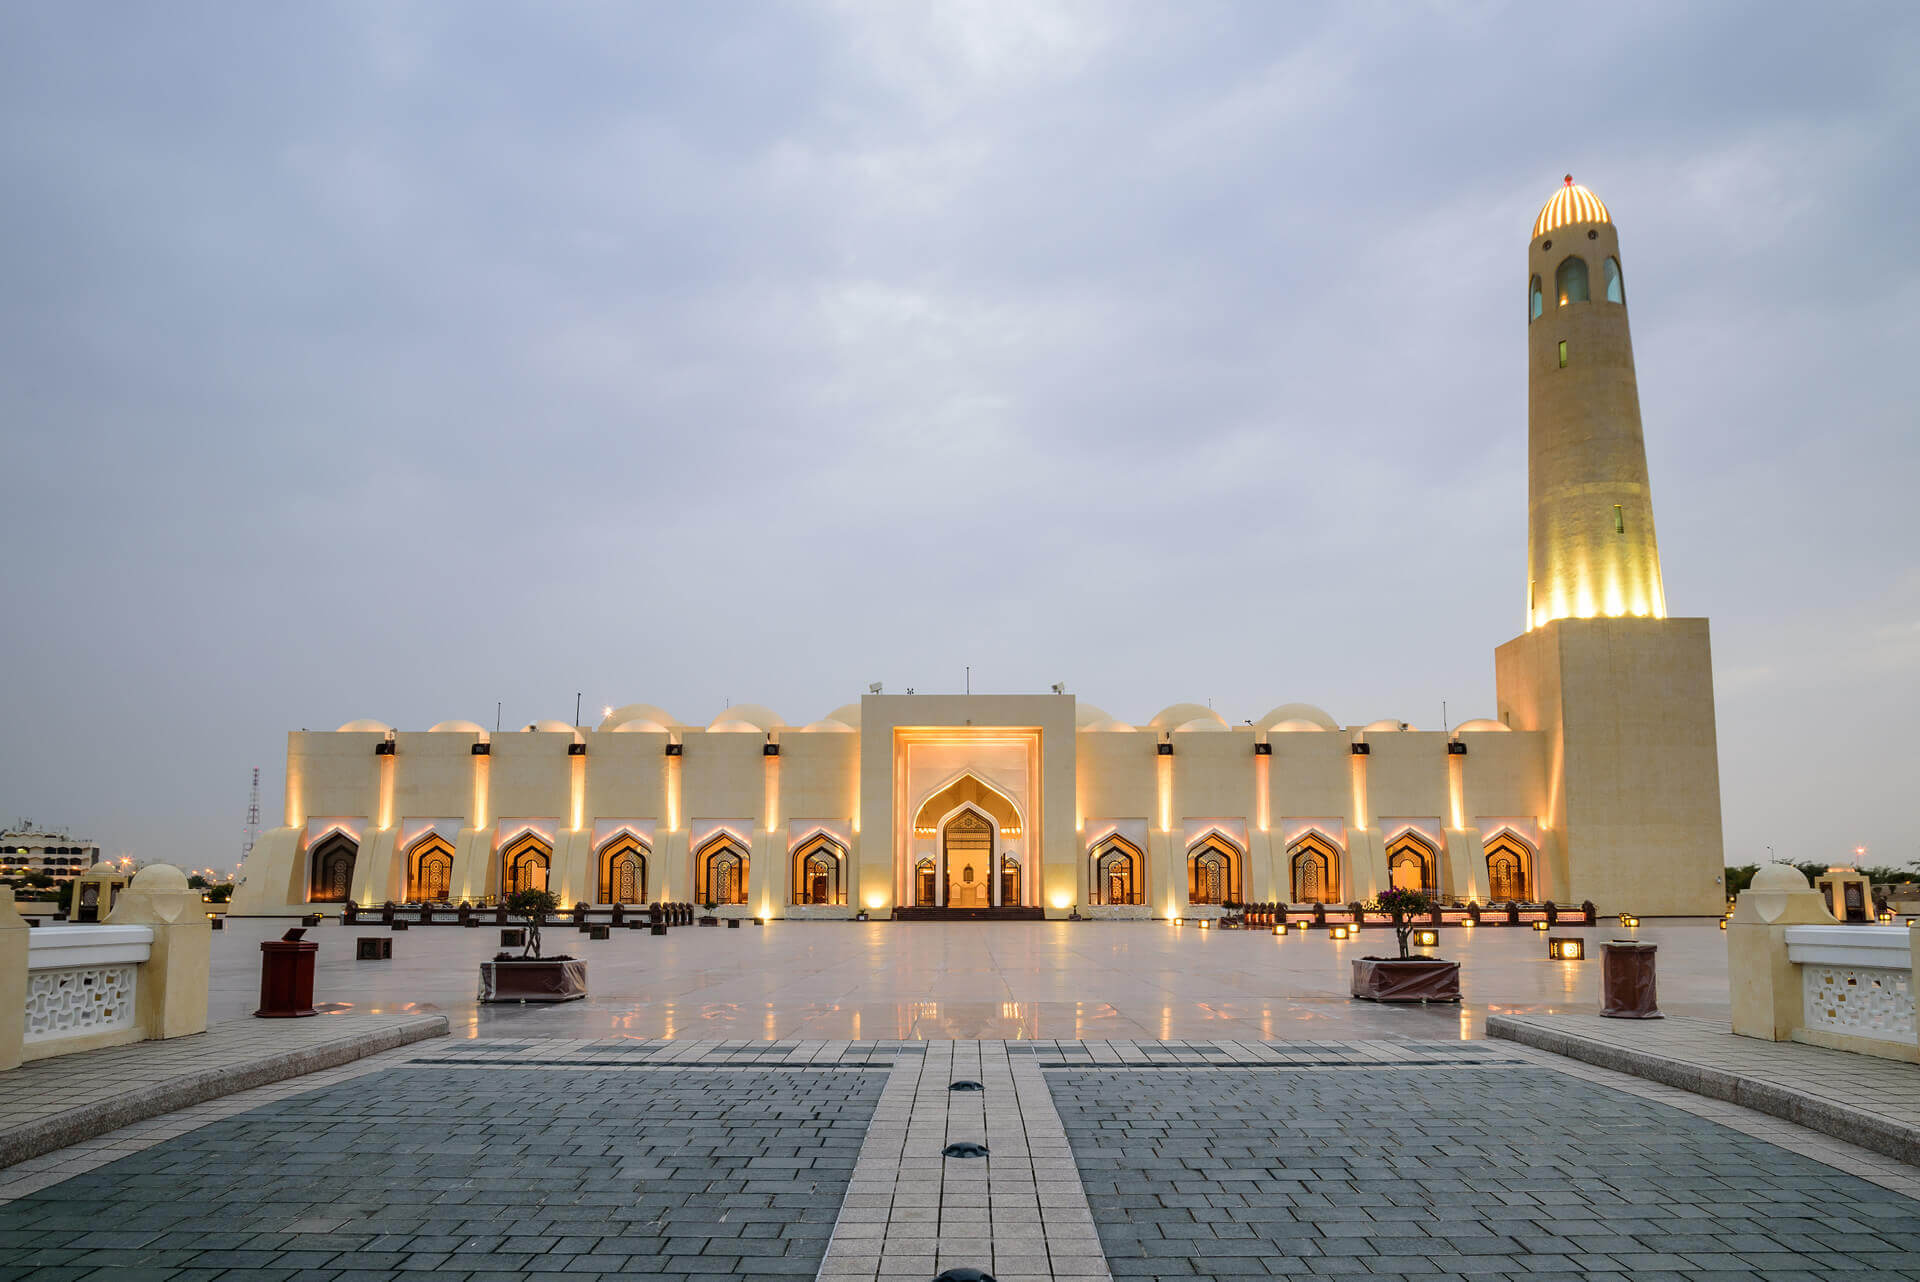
(1597, 779)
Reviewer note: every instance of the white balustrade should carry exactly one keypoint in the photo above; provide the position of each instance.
(1856, 980)
(83, 980)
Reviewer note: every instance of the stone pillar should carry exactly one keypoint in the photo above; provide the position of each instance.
(173, 983)
(1763, 985)
(13, 981)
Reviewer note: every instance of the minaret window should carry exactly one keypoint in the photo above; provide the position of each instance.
(1610, 273)
(1536, 301)
(1570, 282)
(1563, 353)
(1619, 520)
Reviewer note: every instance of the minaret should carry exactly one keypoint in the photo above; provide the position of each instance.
(1590, 543)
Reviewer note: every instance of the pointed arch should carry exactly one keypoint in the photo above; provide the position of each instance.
(1570, 280)
(623, 869)
(1010, 891)
(819, 871)
(330, 868)
(1616, 291)
(1412, 863)
(968, 839)
(1214, 870)
(1117, 872)
(1536, 300)
(1510, 864)
(429, 869)
(926, 893)
(526, 863)
(969, 789)
(720, 871)
(1313, 865)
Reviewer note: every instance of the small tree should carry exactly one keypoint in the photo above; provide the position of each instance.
(534, 905)
(1406, 907)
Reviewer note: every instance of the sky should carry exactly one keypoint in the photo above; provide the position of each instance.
(410, 361)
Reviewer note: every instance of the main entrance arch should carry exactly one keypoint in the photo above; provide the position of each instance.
(975, 861)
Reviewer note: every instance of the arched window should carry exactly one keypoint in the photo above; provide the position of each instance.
(526, 864)
(1536, 301)
(720, 872)
(623, 871)
(1410, 863)
(1570, 281)
(331, 862)
(1118, 874)
(817, 871)
(429, 869)
(1315, 867)
(1509, 870)
(1610, 273)
(1009, 882)
(1213, 872)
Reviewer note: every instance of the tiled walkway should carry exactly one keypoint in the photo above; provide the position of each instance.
(529, 1158)
(51, 1103)
(1858, 1098)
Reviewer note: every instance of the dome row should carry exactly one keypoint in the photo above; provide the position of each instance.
(751, 718)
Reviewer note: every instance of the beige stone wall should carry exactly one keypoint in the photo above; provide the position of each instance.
(1633, 787)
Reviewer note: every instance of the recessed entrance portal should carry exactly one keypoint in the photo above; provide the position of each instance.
(967, 844)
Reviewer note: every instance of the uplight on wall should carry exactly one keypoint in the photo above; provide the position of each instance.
(1426, 938)
(875, 901)
(1061, 901)
(1567, 948)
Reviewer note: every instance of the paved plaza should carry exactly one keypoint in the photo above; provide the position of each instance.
(930, 981)
(774, 1102)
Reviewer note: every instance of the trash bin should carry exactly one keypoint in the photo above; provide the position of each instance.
(286, 977)
(1626, 980)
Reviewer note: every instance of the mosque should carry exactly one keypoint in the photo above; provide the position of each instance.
(1597, 780)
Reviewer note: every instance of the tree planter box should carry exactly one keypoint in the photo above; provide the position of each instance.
(1409, 979)
(533, 979)
(709, 921)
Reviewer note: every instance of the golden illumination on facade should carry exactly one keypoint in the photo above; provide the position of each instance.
(673, 794)
(577, 786)
(773, 792)
(482, 780)
(386, 791)
(1359, 769)
(1165, 781)
(1457, 789)
(1262, 772)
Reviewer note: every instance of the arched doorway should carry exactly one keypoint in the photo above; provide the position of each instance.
(966, 845)
(1009, 881)
(330, 879)
(1213, 872)
(1119, 873)
(623, 871)
(819, 875)
(1411, 863)
(1314, 867)
(926, 893)
(720, 872)
(526, 864)
(429, 869)
(1509, 870)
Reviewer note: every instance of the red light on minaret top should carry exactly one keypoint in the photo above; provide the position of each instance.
(1569, 180)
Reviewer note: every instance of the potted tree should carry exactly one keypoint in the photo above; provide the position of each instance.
(531, 977)
(1405, 978)
(710, 919)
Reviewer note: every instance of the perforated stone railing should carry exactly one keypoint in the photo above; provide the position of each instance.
(1856, 980)
(82, 981)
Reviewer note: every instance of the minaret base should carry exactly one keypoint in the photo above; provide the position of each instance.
(1633, 765)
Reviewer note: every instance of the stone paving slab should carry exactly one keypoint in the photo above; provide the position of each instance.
(1471, 1173)
(1874, 1103)
(481, 1172)
(51, 1103)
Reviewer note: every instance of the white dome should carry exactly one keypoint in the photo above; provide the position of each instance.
(1295, 725)
(159, 877)
(1380, 726)
(827, 725)
(637, 712)
(1202, 723)
(734, 727)
(1779, 877)
(1480, 724)
(846, 714)
(1108, 725)
(1296, 712)
(551, 727)
(456, 727)
(364, 726)
(1085, 714)
(1179, 714)
(639, 725)
(753, 714)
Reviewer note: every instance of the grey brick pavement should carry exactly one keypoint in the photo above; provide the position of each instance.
(1470, 1173)
(486, 1173)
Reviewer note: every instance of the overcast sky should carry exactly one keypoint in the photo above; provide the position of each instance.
(393, 360)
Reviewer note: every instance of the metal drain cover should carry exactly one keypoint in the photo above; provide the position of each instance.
(966, 1275)
(964, 1085)
(965, 1148)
